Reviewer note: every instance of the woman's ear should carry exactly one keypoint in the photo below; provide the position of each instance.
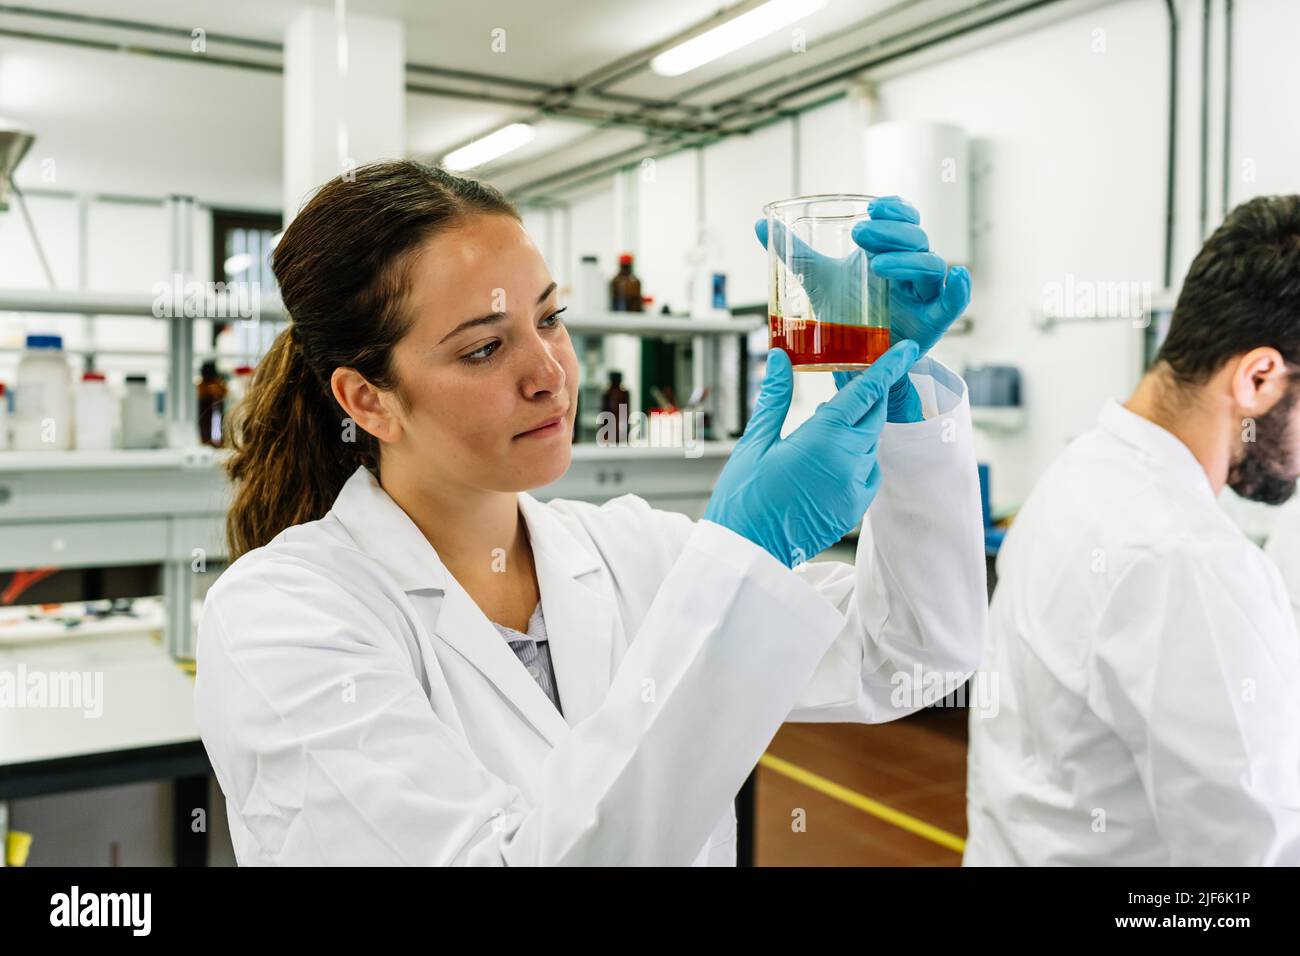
(1259, 380)
(366, 405)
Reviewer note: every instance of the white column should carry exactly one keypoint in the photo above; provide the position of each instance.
(344, 97)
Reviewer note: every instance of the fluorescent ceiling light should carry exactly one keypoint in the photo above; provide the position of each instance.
(732, 35)
(490, 147)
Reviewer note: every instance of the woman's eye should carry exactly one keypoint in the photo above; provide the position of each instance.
(482, 354)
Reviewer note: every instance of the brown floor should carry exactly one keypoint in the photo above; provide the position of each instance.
(916, 765)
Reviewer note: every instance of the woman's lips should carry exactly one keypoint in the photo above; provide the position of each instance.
(554, 426)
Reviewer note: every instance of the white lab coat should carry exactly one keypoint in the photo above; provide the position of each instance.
(359, 708)
(1146, 668)
(1283, 547)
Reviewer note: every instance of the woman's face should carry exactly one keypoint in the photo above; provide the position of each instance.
(486, 361)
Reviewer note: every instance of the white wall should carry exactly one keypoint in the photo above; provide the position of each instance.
(1071, 146)
(592, 218)
(666, 230)
(1073, 140)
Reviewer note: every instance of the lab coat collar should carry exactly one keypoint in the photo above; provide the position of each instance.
(579, 612)
(385, 532)
(1154, 443)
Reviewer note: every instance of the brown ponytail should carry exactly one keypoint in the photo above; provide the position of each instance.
(341, 268)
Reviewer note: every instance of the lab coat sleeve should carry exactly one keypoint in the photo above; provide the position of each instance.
(915, 600)
(1196, 668)
(318, 726)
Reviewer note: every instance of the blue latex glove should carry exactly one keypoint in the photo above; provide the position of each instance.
(796, 496)
(926, 297)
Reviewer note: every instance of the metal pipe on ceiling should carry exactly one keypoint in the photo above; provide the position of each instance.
(638, 60)
(668, 135)
(773, 110)
(111, 46)
(873, 20)
(140, 26)
(956, 33)
(782, 111)
(556, 99)
(562, 91)
(468, 76)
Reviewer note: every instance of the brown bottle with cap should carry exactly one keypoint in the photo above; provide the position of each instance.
(212, 394)
(625, 288)
(615, 402)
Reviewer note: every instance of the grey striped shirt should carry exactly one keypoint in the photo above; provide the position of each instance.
(534, 652)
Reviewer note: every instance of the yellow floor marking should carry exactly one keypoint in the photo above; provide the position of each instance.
(874, 807)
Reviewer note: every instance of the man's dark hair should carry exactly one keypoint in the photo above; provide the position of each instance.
(1242, 291)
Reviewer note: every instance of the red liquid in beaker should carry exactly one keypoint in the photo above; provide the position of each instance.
(820, 346)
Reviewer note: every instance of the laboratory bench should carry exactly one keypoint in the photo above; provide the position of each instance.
(55, 749)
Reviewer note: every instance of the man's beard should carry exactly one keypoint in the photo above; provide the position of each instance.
(1266, 472)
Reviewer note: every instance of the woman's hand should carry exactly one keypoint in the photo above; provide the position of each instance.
(926, 296)
(798, 495)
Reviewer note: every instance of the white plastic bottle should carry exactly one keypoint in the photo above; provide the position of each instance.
(140, 419)
(237, 387)
(95, 413)
(590, 288)
(43, 397)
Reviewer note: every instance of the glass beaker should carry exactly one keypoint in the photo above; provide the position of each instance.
(826, 308)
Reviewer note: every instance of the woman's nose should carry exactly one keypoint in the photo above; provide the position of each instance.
(544, 371)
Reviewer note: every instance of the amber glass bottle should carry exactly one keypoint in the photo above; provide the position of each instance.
(625, 288)
(212, 396)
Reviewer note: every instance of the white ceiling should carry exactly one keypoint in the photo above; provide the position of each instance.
(118, 119)
(112, 122)
(548, 40)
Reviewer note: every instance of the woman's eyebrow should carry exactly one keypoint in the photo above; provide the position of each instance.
(491, 317)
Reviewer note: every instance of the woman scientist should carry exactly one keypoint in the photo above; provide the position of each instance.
(414, 661)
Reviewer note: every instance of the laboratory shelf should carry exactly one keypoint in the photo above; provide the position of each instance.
(115, 459)
(78, 509)
(673, 478)
(592, 452)
(271, 309)
(58, 486)
(44, 491)
(639, 323)
(86, 509)
(129, 304)
(247, 357)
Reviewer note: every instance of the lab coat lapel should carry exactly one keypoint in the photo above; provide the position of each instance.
(578, 609)
(463, 625)
(385, 532)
